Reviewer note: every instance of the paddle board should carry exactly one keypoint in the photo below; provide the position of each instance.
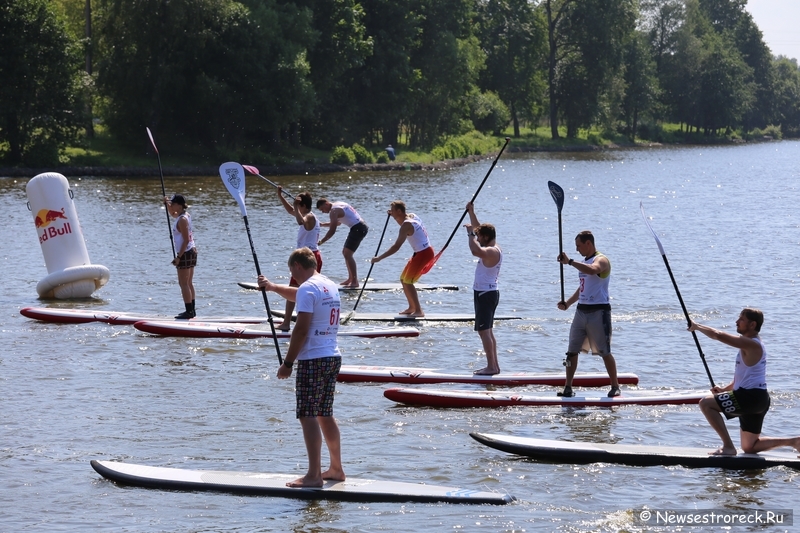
(373, 287)
(394, 374)
(184, 328)
(634, 455)
(252, 483)
(81, 316)
(455, 398)
(429, 317)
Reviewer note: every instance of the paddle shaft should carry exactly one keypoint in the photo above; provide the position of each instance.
(163, 191)
(251, 168)
(561, 251)
(688, 320)
(264, 293)
(380, 241)
(474, 196)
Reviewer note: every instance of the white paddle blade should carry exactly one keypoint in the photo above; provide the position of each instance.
(151, 139)
(233, 175)
(658, 241)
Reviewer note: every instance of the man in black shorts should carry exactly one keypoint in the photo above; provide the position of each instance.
(746, 396)
(342, 213)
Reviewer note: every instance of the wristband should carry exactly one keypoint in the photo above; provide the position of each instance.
(471, 234)
(287, 364)
(570, 262)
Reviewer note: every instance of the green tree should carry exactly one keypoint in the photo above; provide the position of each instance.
(40, 95)
(641, 84)
(512, 36)
(787, 96)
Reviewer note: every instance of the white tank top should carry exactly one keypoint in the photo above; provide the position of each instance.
(594, 288)
(308, 238)
(419, 239)
(486, 277)
(751, 377)
(179, 237)
(320, 296)
(351, 216)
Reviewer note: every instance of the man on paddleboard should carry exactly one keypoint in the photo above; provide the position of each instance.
(307, 237)
(746, 396)
(342, 213)
(314, 346)
(591, 326)
(411, 230)
(486, 296)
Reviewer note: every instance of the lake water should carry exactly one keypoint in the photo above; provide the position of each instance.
(727, 217)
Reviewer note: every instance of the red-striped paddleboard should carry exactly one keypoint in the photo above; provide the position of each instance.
(190, 328)
(372, 287)
(394, 374)
(448, 398)
(82, 316)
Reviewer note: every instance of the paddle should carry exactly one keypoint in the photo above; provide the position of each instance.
(233, 176)
(558, 197)
(253, 170)
(674, 284)
(432, 262)
(349, 316)
(163, 190)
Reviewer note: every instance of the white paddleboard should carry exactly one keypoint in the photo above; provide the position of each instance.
(80, 316)
(394, 374)
(253, 483)
(628, 454)
(455, 398)
(190, 328)
(372, 287)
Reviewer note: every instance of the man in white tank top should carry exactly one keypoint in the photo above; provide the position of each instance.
(342, 213)
(591, 326)
(745, 397)
(411, 230)
(307, 237)
(486, 295)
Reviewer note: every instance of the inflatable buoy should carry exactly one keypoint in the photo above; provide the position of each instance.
(70, 273)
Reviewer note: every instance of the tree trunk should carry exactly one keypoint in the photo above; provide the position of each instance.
(551, 71)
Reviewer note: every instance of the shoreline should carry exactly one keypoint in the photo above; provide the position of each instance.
(299, 169)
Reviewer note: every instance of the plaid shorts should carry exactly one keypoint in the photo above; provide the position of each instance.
(188, 259)
(315, 385)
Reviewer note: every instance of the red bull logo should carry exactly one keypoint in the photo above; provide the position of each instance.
(44, 218)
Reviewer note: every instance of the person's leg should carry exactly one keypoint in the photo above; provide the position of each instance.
(755, 443)
(490, 348)
(330, 430)
(286, 323)
(713, 413)
(414, 307)
(352, 268)
(611, 368)
(313, 440)
(185, 276)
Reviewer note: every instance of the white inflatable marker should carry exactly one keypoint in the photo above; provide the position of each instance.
(70, 273)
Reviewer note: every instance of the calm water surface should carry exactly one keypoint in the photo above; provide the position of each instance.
(728, 220)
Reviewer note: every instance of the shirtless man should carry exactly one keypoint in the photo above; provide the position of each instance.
(318, 363)
(411, 230)
(342, 213)
(482, 244)
(746, 396)
(307, 236)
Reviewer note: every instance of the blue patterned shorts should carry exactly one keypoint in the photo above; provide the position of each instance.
(315, 386)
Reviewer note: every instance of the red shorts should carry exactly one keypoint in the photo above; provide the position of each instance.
(293, 282)
(416, 265)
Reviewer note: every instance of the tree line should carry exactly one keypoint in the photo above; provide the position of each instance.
(249, 76)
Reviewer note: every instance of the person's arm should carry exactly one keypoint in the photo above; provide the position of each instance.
(406, 229)
(308, 221)
(490, 255)
(598, 267)
(284, 291)
(183, 228)
(571, 300)
(473, 219)
(331, 226)
(286, 205)
(751, 348)
(301, 329)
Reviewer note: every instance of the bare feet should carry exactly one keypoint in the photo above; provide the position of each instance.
(487, 371)
(305, 481)
(417, 314)
(724, 452)
(406, 312)
(280, 325)
(334, 475)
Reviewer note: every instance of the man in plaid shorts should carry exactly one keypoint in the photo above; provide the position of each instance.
(314, 346)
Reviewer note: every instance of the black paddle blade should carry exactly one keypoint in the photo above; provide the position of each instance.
(557, 193)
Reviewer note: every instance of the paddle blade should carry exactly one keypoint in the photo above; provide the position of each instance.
(251, 169)
(233, 175)
(557, 193)
(427, 268)
(646, 221)
(151, 139)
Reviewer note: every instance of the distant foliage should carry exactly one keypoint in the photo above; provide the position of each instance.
(464, 145)
(362, 155)
(343, 156)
